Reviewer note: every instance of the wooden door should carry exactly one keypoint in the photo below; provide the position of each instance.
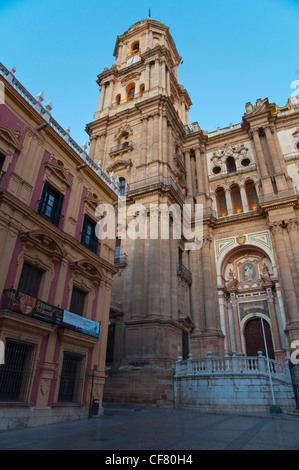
(254, 339)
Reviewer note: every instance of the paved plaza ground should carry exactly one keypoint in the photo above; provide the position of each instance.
(135, 430)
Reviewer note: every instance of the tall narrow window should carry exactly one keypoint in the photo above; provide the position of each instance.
(130, 91)
(88, 235)
(117, 100)
(252, 199)
(135, 47)
(2, 173)
(122, 186)
(50, 204)
(17, 372)
(2, 160)
(77, 301)
(117, 251)
(236, 199)
(141, 89)
(30, 280)
(221, 202)
(231, 165)
(72, 378)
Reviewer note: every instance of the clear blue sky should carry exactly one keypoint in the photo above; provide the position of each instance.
(234, 51)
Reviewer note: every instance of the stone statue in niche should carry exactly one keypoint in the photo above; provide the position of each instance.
(248, 272)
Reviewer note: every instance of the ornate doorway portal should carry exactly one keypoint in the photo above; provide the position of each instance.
(254, 339)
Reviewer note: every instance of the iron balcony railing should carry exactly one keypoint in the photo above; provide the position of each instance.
(184, 272)
(121, 147)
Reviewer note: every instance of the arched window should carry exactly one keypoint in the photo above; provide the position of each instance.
(117, 100)
(135, 47)
(236, 199)
(122, 186)
(252, 198)
(130, 91)
(221, 202)
(141, 89)
(231, 165)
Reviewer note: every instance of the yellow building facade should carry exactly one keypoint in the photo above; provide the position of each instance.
(56, 275)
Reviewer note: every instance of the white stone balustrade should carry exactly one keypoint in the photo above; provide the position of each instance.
(231, 365)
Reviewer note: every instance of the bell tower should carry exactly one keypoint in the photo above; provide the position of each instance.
(137, 136)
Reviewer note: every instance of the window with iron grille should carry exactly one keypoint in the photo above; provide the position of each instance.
(30, 280)
(50, 204)
(88, 235)
(72, 377)
(77, 301)
(17, 372)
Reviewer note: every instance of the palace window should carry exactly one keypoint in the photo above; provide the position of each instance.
(72, 377)
(30, 280)
(17, 372)
(88, 235)
(122, 186)
(50, 204)
(77, 301)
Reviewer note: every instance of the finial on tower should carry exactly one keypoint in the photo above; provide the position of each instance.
(149, 12)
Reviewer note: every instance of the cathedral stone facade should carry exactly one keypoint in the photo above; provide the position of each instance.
(169, 301)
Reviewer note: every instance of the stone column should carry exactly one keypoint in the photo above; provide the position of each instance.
(272, 148)
(274, 324)
(100, 145)
(286, 279)
(228, 201)
(61, 284)
(92, 147)
(165, 138)
(188, 173)
(144, 121)
(265, 178)
(292, 227)
(155, 136)
(243, 197)
(138, 275)
(205, 172)
(154, 271)
(147, 77)
(199, 170)
(102, 97)
(260, 154)
(209, 297)
(236, 321)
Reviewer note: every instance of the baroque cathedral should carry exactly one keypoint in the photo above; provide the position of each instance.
(168, 301)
